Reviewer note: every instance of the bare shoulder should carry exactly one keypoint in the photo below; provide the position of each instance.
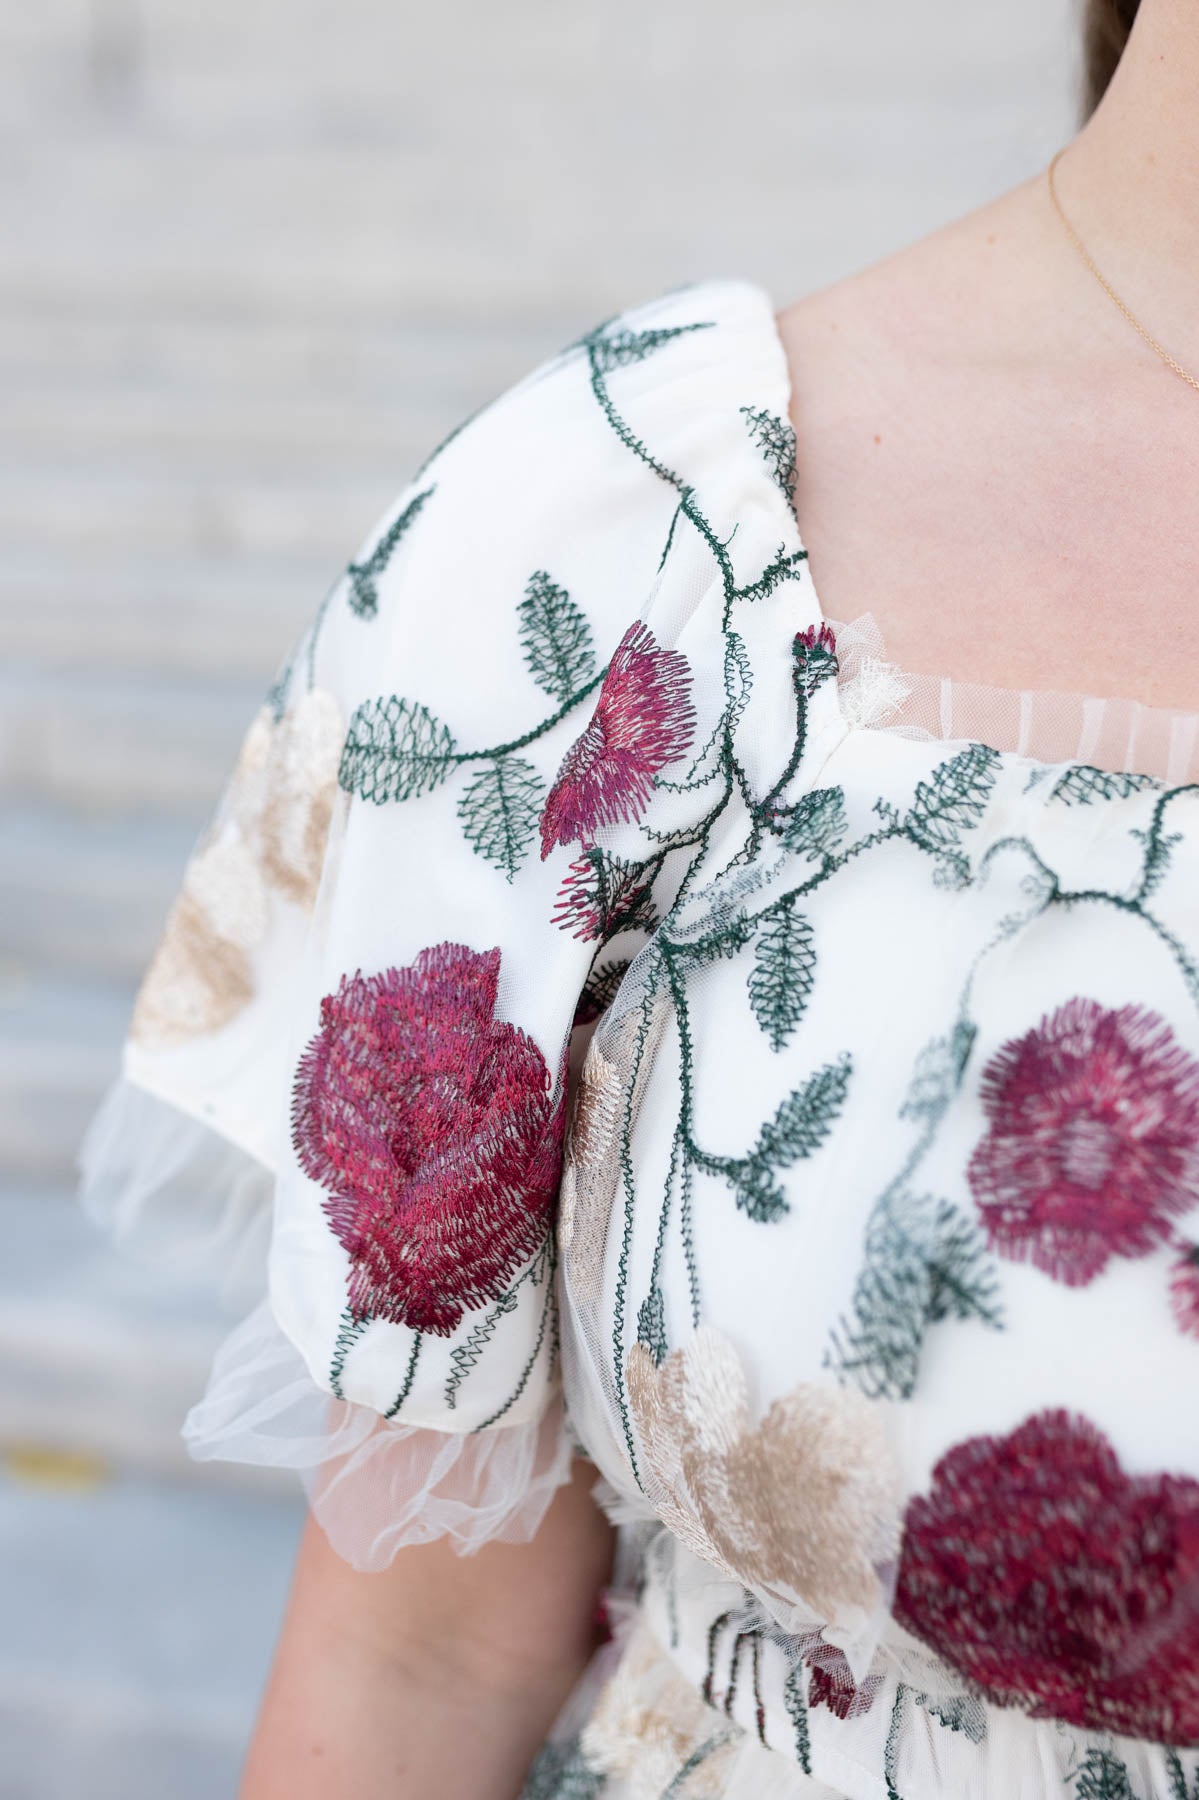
(959, 474)
(958, 301)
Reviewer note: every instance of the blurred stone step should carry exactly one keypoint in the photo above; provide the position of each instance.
(225, 616)
(448, 360)
(60, 1041)
(110, 740)
(87, 507)
(88, 893)
(135, 1636)
(102, 1353)
(215, 436)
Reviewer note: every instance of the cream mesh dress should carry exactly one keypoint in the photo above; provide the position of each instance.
(861, 1254)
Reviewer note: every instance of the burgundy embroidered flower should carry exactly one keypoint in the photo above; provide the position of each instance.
(815, 653)
(1184, 1289)
(433, 1127)
(1041, 1571)
(1093, 1145)
(602, 896)
(643, 720)
(831, 1682)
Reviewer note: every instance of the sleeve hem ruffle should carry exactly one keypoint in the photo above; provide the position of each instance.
(174, 1191)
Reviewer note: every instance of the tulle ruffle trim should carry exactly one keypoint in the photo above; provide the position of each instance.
(176, 1193)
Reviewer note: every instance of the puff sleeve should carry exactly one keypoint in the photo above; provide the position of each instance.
(426, 870)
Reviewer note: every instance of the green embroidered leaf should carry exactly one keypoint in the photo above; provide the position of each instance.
(600, 989)
(651, 1324)
(1081, 785)
(806, 1117)
(1178, 1781)
(960, 1712)
(562, 1772)
(394, 750)
(938, 1073)
(923, 1262)
(953, 798)
(616, 349)
(1104, 1777)
(758, 1191)
(781, 978)
(775, 438)
(499, 811)
(818, 823)
(555, 637)
(364, 576)
(797, 1130)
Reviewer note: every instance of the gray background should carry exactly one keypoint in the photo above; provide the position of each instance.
(257, 258)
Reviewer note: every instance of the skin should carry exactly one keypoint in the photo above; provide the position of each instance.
(991, 460)
(996, 466)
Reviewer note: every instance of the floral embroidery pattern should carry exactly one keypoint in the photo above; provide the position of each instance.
(802, 1507)
(651, 1729)
(1054, 1581)
(271, 836)
(612, 1080)
(1184, 1289)
(603, 896)
(1093, 1147)
(436, 1132)
(396, 749)
(643, 720)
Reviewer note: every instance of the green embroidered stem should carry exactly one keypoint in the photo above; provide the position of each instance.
(891, 1748)
(549, 1307)
(349, 1331)
(797, 1711)
(409, 1377)
(628, 1182)
(466, 1355)
(708, 1748)
(538, 731)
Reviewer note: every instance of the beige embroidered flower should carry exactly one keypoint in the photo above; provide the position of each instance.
(802, 1507)
(271, 835)
(651, 1729)
(617, 1066)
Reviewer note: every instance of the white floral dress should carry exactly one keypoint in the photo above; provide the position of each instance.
(860, 1255)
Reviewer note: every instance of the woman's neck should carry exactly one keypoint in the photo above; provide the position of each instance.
(1130, 181)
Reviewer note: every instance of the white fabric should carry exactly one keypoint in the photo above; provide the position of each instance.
(779, 1297)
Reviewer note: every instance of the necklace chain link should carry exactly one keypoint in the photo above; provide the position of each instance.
(1158, 349)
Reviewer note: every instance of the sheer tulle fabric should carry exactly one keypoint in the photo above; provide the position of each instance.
(177, 1194)
(174, 1191)
(374, 1486)
(1123, 736)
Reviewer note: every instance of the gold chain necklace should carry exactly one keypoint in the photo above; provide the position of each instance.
(1109, 290)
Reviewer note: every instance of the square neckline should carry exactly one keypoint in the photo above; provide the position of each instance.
(1169, 721)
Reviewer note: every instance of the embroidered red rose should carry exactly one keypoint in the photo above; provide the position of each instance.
(1093, 1147)
(435, 1130)
(1184, 1289)
(1054, 1581)
(603, 896)
(642, 721)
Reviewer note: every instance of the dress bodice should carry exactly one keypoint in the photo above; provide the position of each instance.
(863, 1243)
